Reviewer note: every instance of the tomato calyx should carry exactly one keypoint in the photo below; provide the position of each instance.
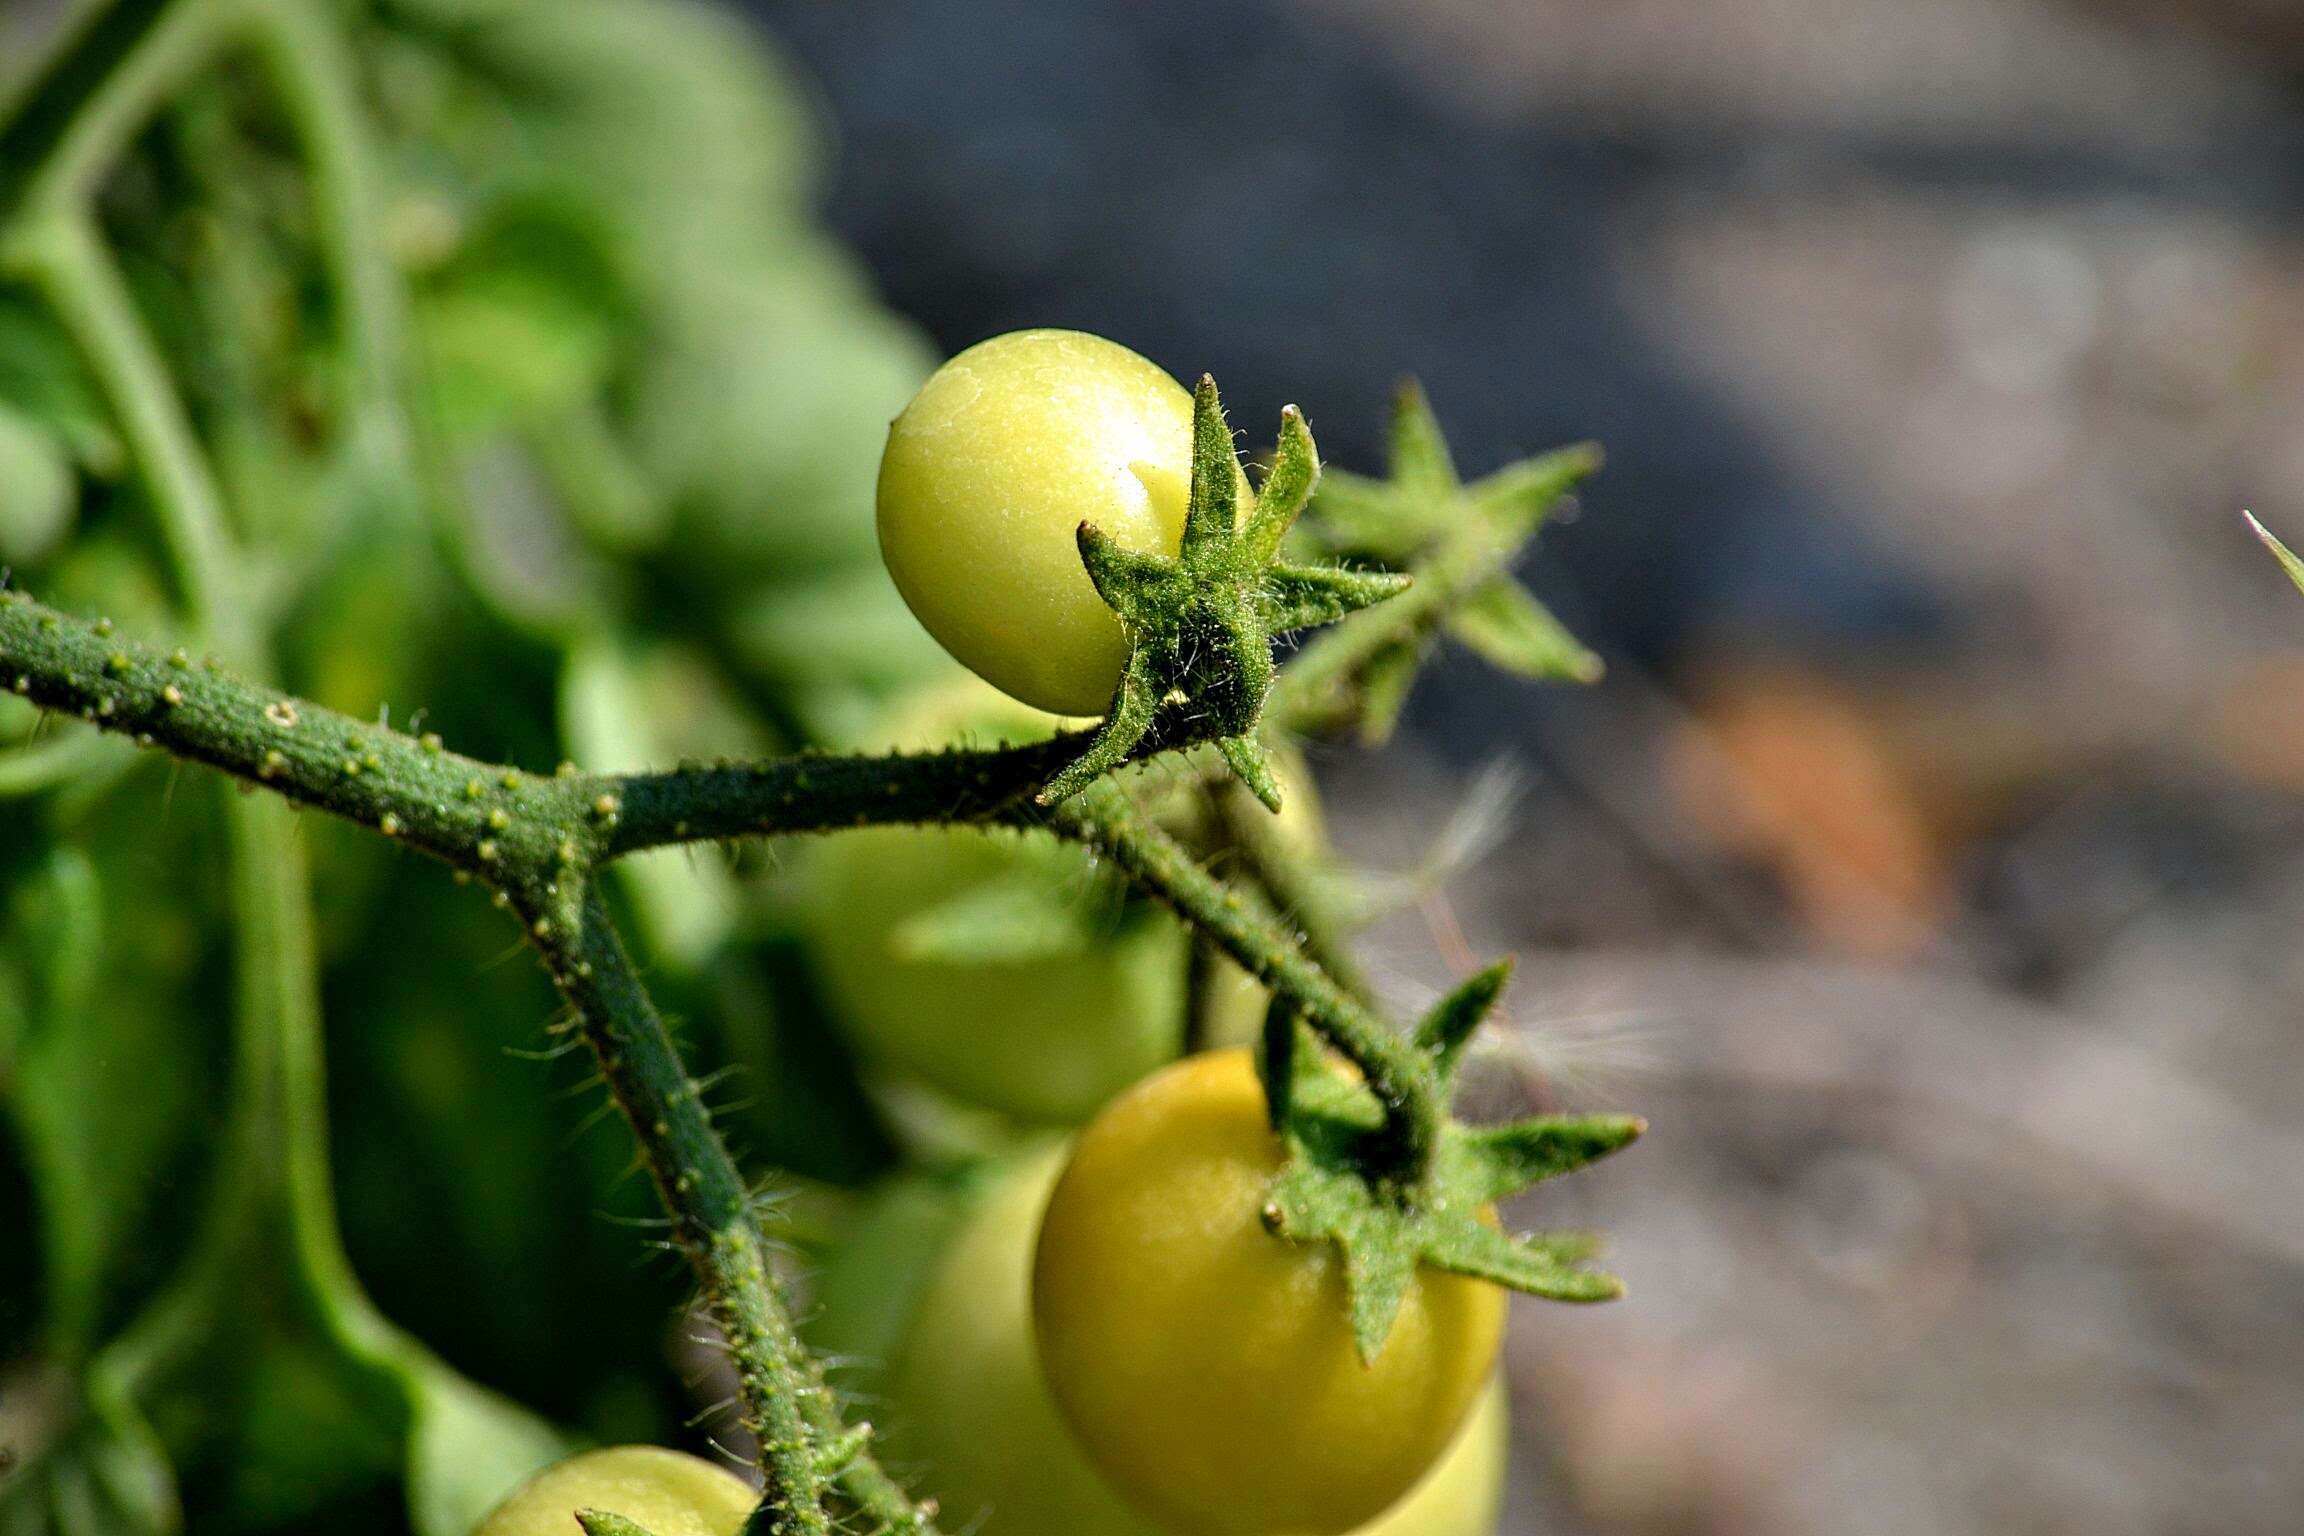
(1200, 625)
(1342, 1183)
(1460, 541)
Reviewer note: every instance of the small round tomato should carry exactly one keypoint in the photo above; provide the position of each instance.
(987, 476)
(1069, 990)
(967, 1406)
(669, 1493)
(966, 1403)
(1043, 1037)
(1206, 1365)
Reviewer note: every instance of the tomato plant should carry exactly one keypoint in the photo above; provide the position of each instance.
(1207, 1365)
(669, 1493)
(477, 367)
(988, 474)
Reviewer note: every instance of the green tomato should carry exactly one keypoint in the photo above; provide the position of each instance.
(1044, 1034)
(1001, 968)
(986, 479)
(670, 1493)
(966, 1403)
(967, 1406)
(1207, 1365)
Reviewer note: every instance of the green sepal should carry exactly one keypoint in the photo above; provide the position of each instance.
(1286, 490)
(1539, 1266)
(1512, 631)
(1420, 457)
(1212, 515)
(1385, 683)
(1334, 1131)
(1199, 625)
(1300, 596)
(1115, 570)
(1523, 495)
(1444, 1031)
(1490, 1162)
(601, 1522)
(1460, 539)
(1244, 755)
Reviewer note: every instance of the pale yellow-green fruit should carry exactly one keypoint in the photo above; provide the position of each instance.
(966, 1403)
(1043, 1037)
(969, 1411)
(667, 1493)
(1206, 1365)
(987, 476)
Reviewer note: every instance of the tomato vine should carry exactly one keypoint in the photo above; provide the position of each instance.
(1199, 674)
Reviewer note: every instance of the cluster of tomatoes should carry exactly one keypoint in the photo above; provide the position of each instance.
(1106, 1338)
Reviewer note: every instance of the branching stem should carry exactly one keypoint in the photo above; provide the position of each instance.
(538, 837)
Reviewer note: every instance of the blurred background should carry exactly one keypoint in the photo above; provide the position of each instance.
(1928, 865)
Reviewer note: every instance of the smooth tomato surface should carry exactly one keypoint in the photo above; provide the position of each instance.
(669, 1493)
(987, 476)
(1206, 1365)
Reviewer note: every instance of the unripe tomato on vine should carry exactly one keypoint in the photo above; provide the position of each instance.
(1001, 968)
(668, 1493)
(1207, 1365)
(967, 1405)
(987, 476)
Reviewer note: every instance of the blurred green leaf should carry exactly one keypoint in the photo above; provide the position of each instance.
(466, 1450)
(1022, 915)
(37, 490)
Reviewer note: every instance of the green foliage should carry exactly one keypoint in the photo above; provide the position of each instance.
(590, 214)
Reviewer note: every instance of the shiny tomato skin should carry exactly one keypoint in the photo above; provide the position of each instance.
(987, 476)
(1206, 1365)
(668, 1493)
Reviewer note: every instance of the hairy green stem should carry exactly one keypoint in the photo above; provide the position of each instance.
(713, 1214)
(1282, 874)
(520, 831)
(1246, 929)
